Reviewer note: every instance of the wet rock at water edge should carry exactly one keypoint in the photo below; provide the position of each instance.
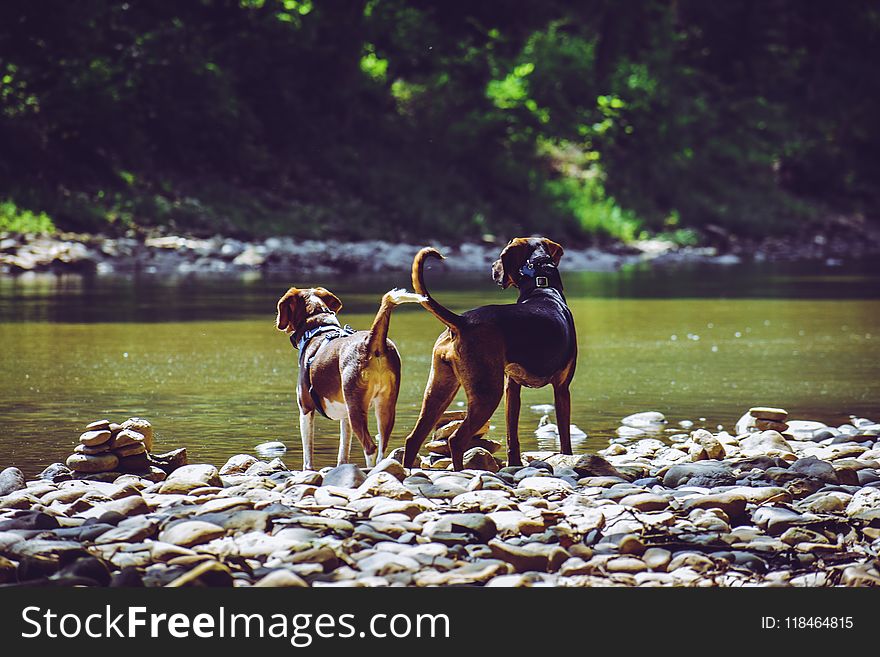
(650, 421)
(271, 449)
(170, 461)
(11, 480)
(56, 473)
(238, 464)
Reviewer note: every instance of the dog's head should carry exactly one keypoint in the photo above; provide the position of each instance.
(297, 305)
(506, 270)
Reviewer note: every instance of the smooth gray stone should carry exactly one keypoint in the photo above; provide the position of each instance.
(701, 473)
(11, 480)
(347, 475)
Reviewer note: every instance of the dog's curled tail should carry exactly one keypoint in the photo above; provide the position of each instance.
(430, 304)
(379, 329)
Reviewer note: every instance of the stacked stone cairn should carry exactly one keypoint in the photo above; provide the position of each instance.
(478, 452)
(107, 450)
(769, 419)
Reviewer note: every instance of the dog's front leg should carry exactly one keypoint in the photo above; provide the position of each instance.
(307, 431)
(511, 407)
(562, 399)
(344, 441)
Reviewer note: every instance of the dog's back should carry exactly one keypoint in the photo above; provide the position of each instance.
(538, 333)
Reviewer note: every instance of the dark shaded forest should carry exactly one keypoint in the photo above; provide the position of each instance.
(594, 120)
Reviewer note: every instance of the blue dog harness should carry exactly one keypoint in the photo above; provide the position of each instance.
(305, 366)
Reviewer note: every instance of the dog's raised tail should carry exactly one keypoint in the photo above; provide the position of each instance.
(430, 304)
(379, 329)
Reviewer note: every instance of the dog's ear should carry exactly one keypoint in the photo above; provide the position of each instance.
(498, 274)
(555, 250)
(291, 310)
(512, 258)
(329, 299)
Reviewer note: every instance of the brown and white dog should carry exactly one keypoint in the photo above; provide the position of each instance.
(497, 349)
(343, 373)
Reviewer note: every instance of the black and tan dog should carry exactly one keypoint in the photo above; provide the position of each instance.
(497, 349)
(342, 373)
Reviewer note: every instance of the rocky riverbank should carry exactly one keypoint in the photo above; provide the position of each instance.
(157, 252)
(661, 506)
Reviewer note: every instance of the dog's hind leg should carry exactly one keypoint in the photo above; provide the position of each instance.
(307, 431)
(511, 407)
(344, 441)
(482, 402)
(441, 389)
(562, 399)
(386, 411)
(357, 415)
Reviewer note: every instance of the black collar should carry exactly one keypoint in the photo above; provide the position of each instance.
(540, 273)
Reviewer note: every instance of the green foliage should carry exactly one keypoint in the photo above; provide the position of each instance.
(588, 120)
(17, 220)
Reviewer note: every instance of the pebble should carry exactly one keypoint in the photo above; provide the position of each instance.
(478, 458)
(703, 473)
(125, 438)
(657, 558)
(625, 565)
(649, 420)
(197, 474)
(11, 480)
(529, 557)
(273, 448)
(479, 525)
(765, 442)
(347, 475)
(281, 578)
(95, 438)
(713, 447)
(88, 463)
(391, 466)
(237, 464)
(769, 413)
(142, 427)
(768, 510)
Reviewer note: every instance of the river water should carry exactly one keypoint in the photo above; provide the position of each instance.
(200, 357)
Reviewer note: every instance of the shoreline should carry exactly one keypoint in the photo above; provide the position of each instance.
(781, 503)
(181, 254)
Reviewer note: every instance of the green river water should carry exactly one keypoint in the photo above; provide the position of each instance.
(201, 359)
